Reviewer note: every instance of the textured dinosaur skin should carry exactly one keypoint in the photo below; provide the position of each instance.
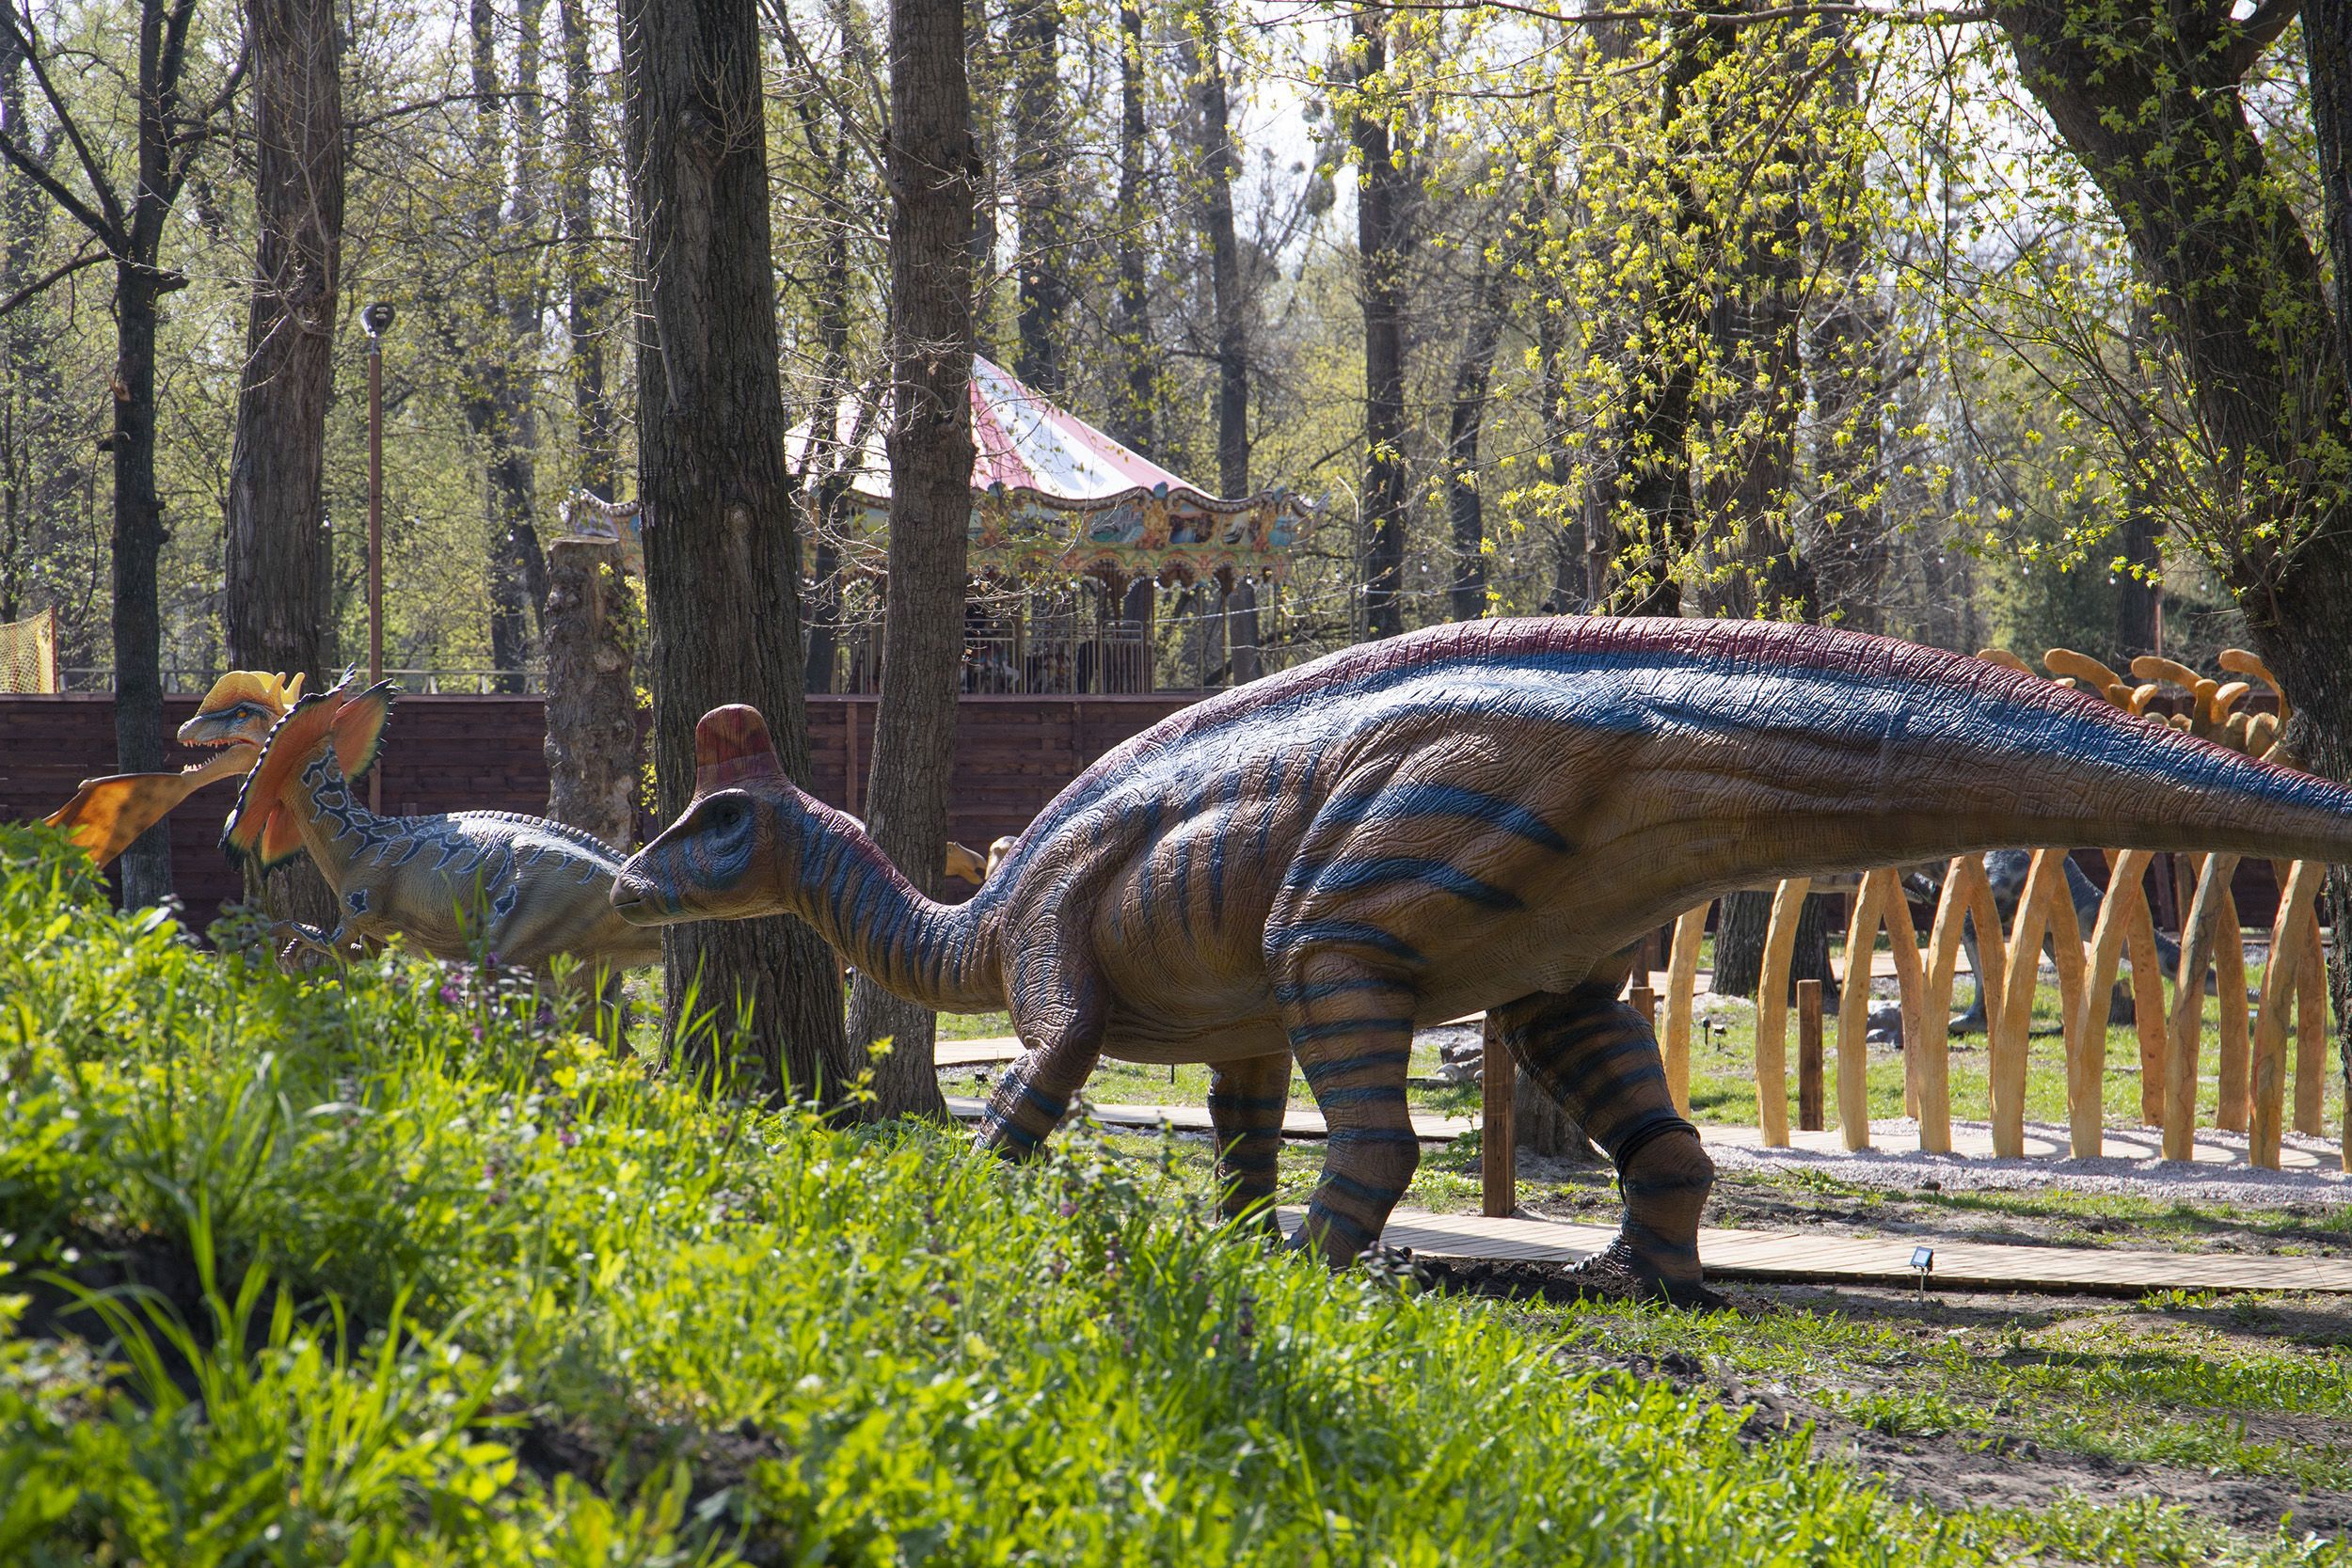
(1476, 816)
(522, 889)
(108, 814)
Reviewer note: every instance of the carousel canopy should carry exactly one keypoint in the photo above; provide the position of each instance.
(1053, 495)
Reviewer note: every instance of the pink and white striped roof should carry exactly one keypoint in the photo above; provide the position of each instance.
(1024, 442)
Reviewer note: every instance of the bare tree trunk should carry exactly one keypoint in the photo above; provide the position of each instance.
(1464, 507)
(1219, 166)
(722, 553)
(1131, 419)
(1740, 923)
(1039, 159)
(932, 163)
(139, 546)
(588, 291)
(591, 693)
(1382, 191)
(827, 502)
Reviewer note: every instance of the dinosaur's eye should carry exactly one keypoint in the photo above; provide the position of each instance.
(727, 816)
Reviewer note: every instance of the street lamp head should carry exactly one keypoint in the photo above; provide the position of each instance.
(377, 318)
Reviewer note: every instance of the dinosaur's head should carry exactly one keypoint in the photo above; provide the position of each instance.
(241, 708)
(735, 852)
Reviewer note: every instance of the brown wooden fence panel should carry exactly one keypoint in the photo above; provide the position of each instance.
(442, 754)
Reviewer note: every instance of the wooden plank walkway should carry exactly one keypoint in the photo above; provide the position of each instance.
(1195, 1118)
(980, 1053)
(1790, 1257)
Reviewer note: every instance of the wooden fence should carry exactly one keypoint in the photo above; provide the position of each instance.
(1013, 754)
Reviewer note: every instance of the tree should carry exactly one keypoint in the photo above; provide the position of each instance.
(274, 612)
(1218, 165)
(1383, 193)
(1040, 158)
(722, 553)
(933, 170)
(170, 130)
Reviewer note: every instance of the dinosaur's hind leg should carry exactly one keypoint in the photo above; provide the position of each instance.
(1599, 1059)
(1351, 1028)
(1245, 1103)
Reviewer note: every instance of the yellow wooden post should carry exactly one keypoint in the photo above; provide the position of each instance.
(1771, 1013)
(1853, 1015)
(2087, 1063)
(2188, 1007)
(2311, 1036)
(1682, 980)
(2229, 986)
(2148, 1013)
(1965, 890)
(1910, 980)
(2066, 937)
(2045, 883)
(2266, 1079)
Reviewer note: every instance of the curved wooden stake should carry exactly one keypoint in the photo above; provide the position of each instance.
(1853, 1013)
(1910, 980)
(2148, 1014)
(2188, 1007)
(2087, 1063)
(2267, 1079)
(2311, 1037)
(1682, 978)
(2229, 986)
(2045, 884)
(1964, 890)
(1771, 1013)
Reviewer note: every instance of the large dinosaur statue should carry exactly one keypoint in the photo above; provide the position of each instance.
(1476, 816)
(522, 888)
(106, 814)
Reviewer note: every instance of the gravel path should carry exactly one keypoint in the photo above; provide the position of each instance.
(2136, 1174)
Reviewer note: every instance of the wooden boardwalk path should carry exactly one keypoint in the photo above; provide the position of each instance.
(1789, 1257)
(1195, 1118)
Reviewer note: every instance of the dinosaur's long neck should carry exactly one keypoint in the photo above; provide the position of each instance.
(944, 956)
(336, 828)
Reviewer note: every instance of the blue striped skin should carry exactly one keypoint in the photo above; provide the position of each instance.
(1470, 816)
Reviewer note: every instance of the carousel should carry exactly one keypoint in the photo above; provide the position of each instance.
(1082, 552)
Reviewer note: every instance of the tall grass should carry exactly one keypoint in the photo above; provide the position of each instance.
(470, 1289)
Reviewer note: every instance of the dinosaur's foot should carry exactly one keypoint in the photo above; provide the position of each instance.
(1623, 1272)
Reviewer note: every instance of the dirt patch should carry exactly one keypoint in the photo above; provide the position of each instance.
(1983, 1466)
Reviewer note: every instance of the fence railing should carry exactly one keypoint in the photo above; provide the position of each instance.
(416, 682)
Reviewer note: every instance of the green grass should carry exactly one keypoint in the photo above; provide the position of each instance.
(385, 1268)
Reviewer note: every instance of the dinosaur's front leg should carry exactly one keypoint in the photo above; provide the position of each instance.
(1352, 1030)
(1246, 1100)
(1599, 1058)
(1058, 1016)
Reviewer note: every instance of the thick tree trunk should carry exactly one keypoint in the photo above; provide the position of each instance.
(722, 553)
(1465, 509)
(932, 163)
(276, 611)
(592, 693)
(1382, 191)
(138, 545)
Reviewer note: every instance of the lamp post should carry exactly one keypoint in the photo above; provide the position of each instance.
(377, 318)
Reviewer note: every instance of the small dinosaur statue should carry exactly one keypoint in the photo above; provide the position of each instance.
(523, 888)
(1483, 815)
(106, 814)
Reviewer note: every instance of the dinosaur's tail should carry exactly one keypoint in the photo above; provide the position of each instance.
(1885, 752)
(264, 826)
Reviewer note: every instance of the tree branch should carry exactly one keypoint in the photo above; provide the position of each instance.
(2258, 32)
(56, 274)
(110, 230)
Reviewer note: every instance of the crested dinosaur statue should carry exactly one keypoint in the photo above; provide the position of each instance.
(1484, 814)
(522, 888)
(106, 814)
